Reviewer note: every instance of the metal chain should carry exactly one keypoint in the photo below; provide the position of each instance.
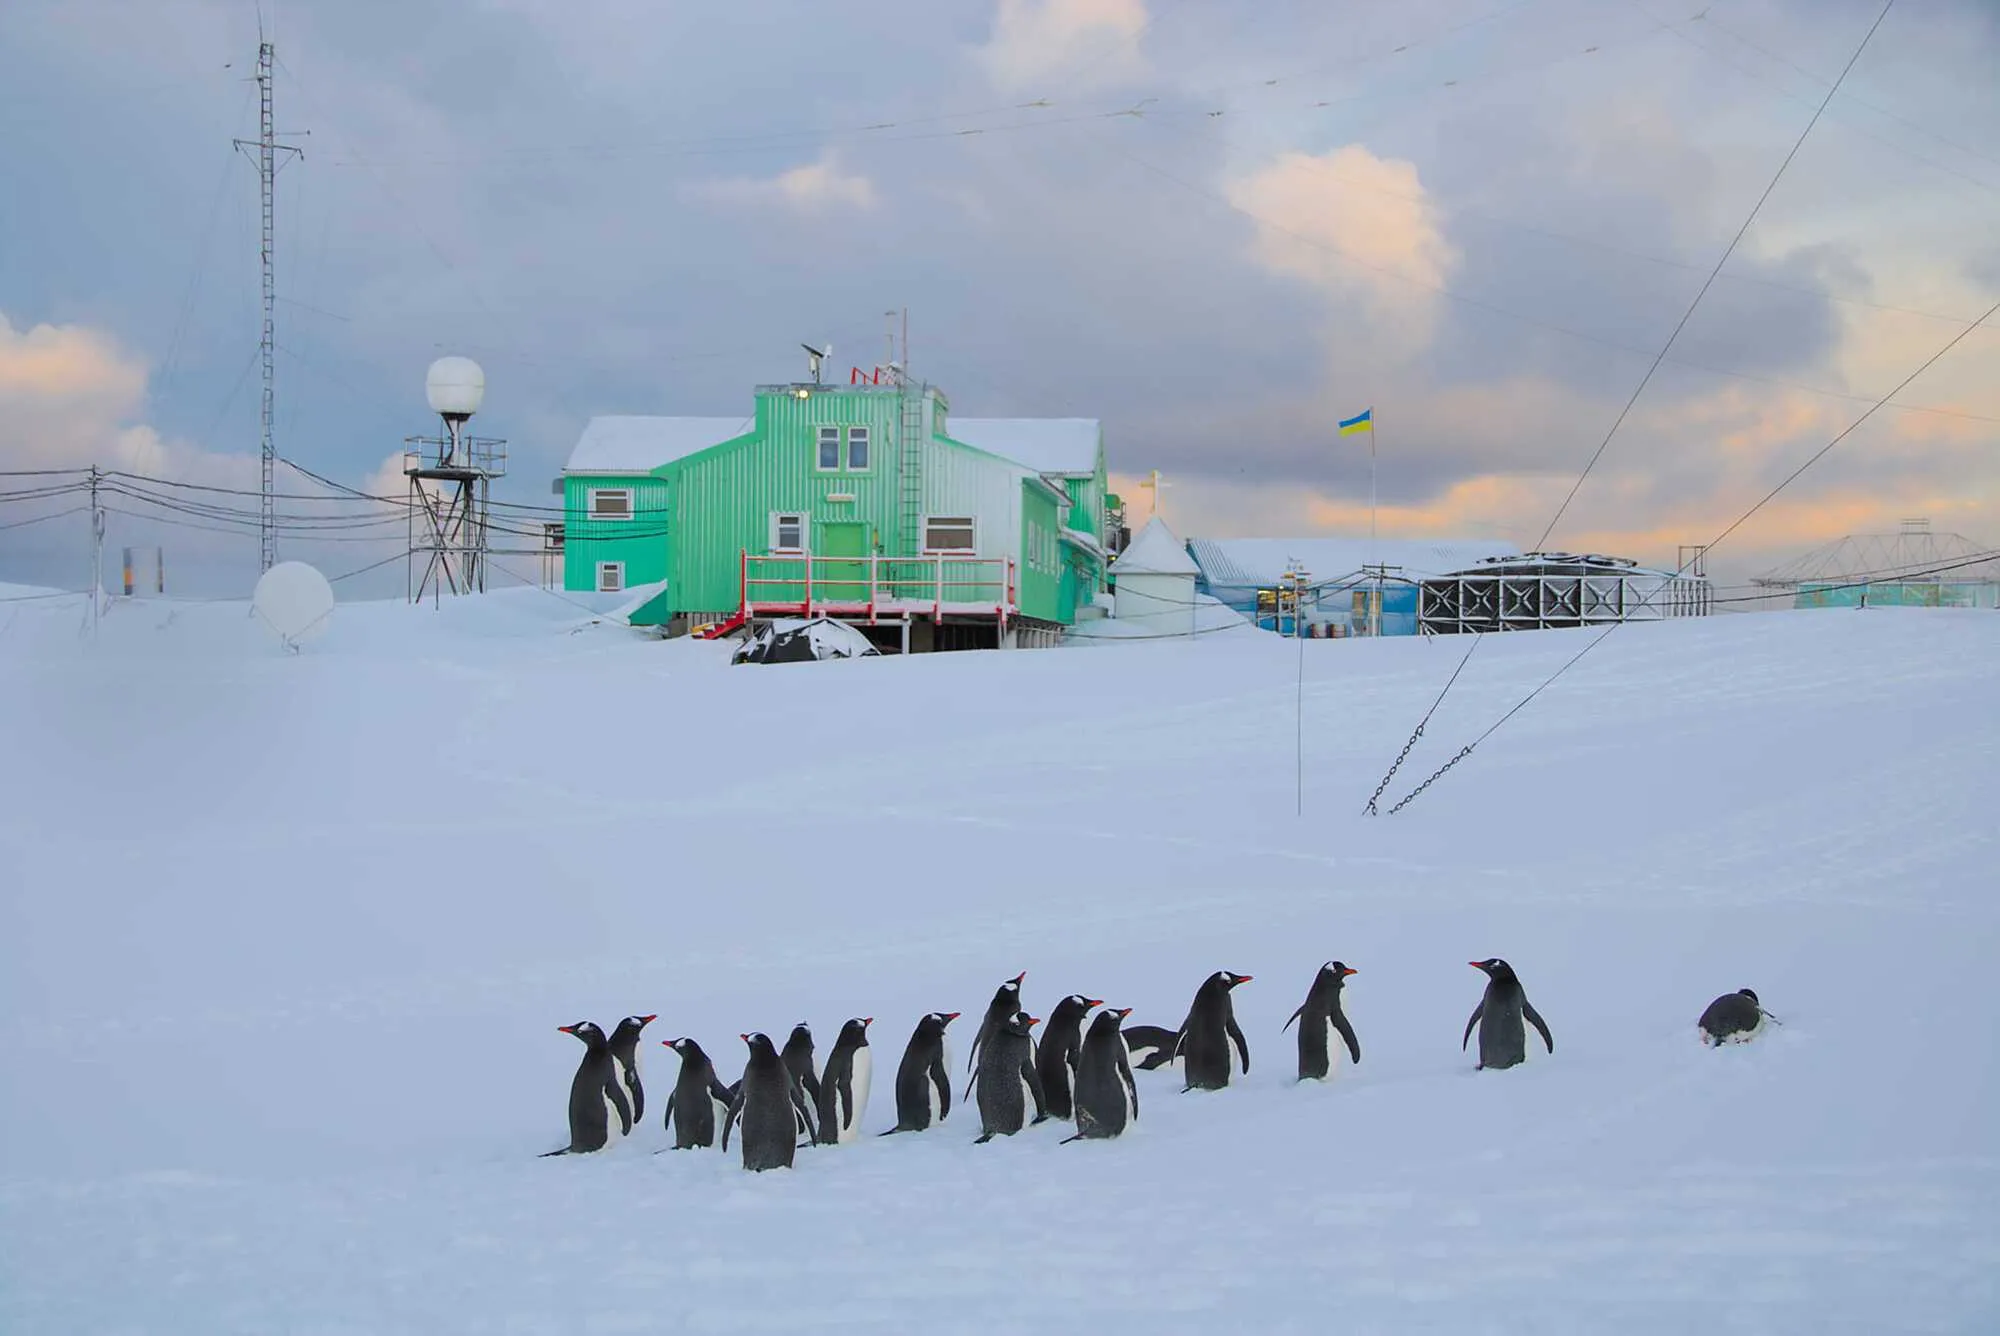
(1394, 767)
(1463, 752)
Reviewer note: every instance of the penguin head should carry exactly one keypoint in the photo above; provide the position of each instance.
(1752, 996)
(856, 1030)
(943, 1018)
(1081, 1004)
(1228, 978)
(1335, 972)
(1011, 989)
(587, 1031)
(801, 1034)
(760, 1044)
(1495, 968)
(684, 1046)
(1020, 1023)
(629, 1027)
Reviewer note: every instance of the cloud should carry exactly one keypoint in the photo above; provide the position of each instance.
(816, 188)
(1356, 226)
(1078, 43)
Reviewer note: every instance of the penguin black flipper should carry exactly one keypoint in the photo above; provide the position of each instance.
(1242, 1044)
(1477, 1012)
(1339, 1020)
(1034, 1080)
(615, 1095)
(735, 1112)
(941, 1081)
(1295, 1015)
(808, 1121)
(545, 1154)
(1535, 1019)
(1131, 1086)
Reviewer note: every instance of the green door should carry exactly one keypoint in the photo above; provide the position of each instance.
(841, 575)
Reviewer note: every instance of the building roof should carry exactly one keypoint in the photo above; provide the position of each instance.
(641, 444)
(1155, 551)
(1260, 563)
(1913, 553)
(1046, 445)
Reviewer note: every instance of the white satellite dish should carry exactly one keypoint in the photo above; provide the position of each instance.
(294, 600)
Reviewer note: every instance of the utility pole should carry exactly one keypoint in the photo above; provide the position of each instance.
(96, 552)
(268, 148)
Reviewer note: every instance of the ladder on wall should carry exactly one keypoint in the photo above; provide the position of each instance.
(910, 468)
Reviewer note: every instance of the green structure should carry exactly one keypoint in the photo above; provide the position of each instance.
(868, 503)
(1913, 567)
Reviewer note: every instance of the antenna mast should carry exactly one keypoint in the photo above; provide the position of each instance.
(268, 148)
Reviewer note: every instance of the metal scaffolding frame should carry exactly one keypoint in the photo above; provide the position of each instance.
(1551, 590)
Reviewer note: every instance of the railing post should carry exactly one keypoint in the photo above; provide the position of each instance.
(807, 559)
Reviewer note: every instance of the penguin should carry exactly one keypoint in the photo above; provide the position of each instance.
(1006, 1001)
(923, 1080)
(799, 1058)
(1733, 1018)
(1061, 1047)
(700, 1101)
(1006, 1081)
(771, 1105)
(598, 1113)
(1320, 1021)
(1205, 1036)
(1503, 1042)
(624, 1044)
(1107, 1099)
(843, 1086)
(1150, 1046)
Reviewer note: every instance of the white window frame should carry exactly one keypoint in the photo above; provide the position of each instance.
(820, 440)
(591, 496)
(614, 569)
(805, 531)
(971, 522)
(867, 441)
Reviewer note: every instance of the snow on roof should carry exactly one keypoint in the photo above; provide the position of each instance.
(641, 444)
(1155, 551)
(1253, 563)
(1046, 445)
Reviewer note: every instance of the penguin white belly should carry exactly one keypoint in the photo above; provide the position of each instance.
(721, 1107)
(859, 1076)
(1027, 1101)
(614, 1128)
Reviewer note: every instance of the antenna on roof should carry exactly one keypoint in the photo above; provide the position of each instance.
(815, 359)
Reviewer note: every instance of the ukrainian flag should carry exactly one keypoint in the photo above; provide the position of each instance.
(1366, 422)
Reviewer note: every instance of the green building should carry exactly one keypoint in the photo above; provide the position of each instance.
(867, 503)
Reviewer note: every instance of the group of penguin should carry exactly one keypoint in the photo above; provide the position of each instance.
(1075, 1075)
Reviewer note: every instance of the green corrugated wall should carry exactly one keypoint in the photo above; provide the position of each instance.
(640, 542)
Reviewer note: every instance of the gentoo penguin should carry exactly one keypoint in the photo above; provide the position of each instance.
(1503, 1041)
(771, 1104)
(1006, 1082)
(1322, 1025)
(1733, 1018)
(1107, 1099)
(799, 1059)
(1062, 1045)
(700, 1101)
(923, 1080)
(1210, 1027)
(1150, 1046)
(1006, 1001)
(598, 1113)
(624, 1043)
(843, 1086)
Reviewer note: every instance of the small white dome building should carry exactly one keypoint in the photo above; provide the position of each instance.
(1154, 579)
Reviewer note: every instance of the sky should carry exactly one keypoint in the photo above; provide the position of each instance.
(1217, 228)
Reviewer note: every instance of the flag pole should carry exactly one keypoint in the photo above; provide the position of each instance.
(1374, 547)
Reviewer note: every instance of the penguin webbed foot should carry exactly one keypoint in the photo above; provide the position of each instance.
(983, 1138)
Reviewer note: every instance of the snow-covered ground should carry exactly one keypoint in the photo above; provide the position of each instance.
(284, 941)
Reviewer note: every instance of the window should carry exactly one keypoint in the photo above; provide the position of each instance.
(857, 448)
(611, 503)
(829, 447)
(610, 576)
(948, 533)
(788, 533)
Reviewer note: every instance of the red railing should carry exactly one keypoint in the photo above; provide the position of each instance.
(875, 586)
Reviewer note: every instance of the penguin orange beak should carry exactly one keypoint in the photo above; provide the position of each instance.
(1478, 965)
(565, 1029)
(950, 1016)
(1093, 1002)
(1121, 1012)
(648, 1020)
(1345, 972)
(1245, 978)
(1018, 977)
(744, 1037)
(867, 1021)
(1034, 1020)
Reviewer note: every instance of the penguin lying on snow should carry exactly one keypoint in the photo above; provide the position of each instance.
(1150, 1046)
(923, 1080)
(598, 1113)
(1209, 1029)
(771, 1105)
(700, 1102)
(1734, 1018)
(843, 1086)
(1060, 1050)
(1107, 1100)
(1006, 1081)
(1503, 1041)
(624, 1044)
(1320, 1020)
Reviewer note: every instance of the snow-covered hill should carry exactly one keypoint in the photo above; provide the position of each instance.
(284, 941)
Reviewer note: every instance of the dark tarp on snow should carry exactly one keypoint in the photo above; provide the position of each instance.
(792, 640)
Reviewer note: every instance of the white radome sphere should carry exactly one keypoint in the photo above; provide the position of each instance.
(294, 600)
(455, 385)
